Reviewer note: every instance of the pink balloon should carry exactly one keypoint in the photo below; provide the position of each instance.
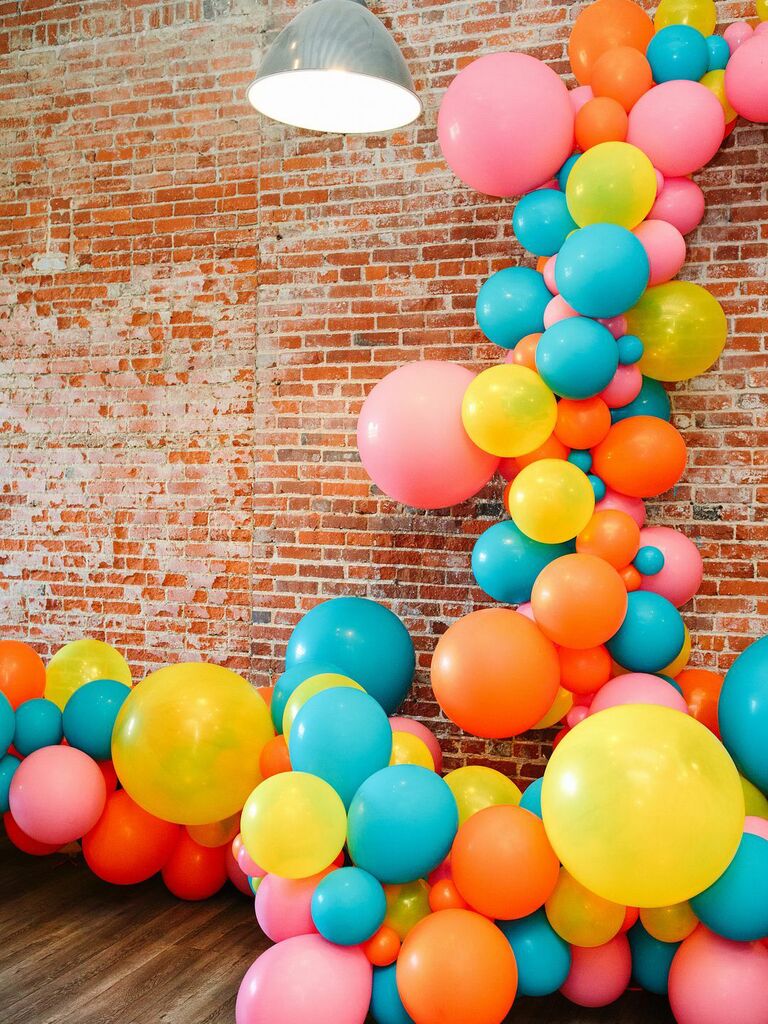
(624, 388)
(600, 974)
(505, 124)
(665, 248)
(659, 180)
(557, 309)
(738, 32)
(236, 875)
(526, 610)
(754, 825)
(617, 325)
(441, 872)
(634, 507)
(577, 714)
(637, 688)
(412, 441)
(244, 862)
(679, 125)
(716, 981)
(746, 79)
(57, 794)
(681, 576)
(424, 734)
(306, 979)
(680, 203)
(284, 905)
(761, 28)
(579, 96)
(548, 274)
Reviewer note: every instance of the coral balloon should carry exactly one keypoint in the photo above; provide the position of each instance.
(600, 120)
(551, 501)
(679, 125)
(622, 74)
(602, 26)
(579, 601)
(746, 77)
(638, 688)
(641, 456)
(128, 845)
(665, 248)
(22, 672)
(598, 976)
(194, 872)
(680, 203)
(612, 535)
(612, 183)
(508, 410)
(26, 843)
(701, 688)
(584, 671)
(274, 757)
(582, 423)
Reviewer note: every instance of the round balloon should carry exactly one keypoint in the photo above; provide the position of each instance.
(582, 917)
(476, 787)
(713, 980)
(680, 576)
(681, 203)
(623, 74)
(506, 563)
(543, 959)
(736, 905)
(90, 714)
(678, 52)
(700, 14)
(128, 845)
(348, 906)
(599, 975)
(579, 601)
(507, 410)
(640, 456)
(651, 960)
(679, 125)
(551, 501)
(613, 183)
(576, 358)
(22, 672)
(602, 270)
(743, 712)
(37, 723)
(745, 79)
(600, 27)
(511, 303)
(650, 636)
(80, 662)
(542, 222)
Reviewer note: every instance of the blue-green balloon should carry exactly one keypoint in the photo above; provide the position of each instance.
(511, 304)
(290, 680)
(736, 905)
(564, 172)
(602, 270)
(651, 635)
(649, 560)
(651, 960)
(652, 400)
(89, 716)
(719, 53)
(506, 563)
(543, 958)
(8, 766)
(577, 358)
(343, 736)
(38, 724)
(7, 724)
(531, 798)
(678, 52)
(366, 640)
(541, 221)
(348, 906)
(386, 1004)
(743, 713)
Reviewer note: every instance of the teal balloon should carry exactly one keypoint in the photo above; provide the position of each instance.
(651, 960)
(543, 958)
(652, 400)
(506, 563)
(602, 270)
(651, 635)
(719, 53)
(564, 173)
(38, 724)
(630, 349)
(541, 221)
(598, 486)
(582, 459)
(386, 1004)
(678, 51)
(531, 798)
(401, 823)
(649, 560)
(364, 639)
(348, 906)
(736, 905)
(89, 716)
(670, 680)
(743, 713)
(343, 736)
(290, 680)
(511, 304)
(577, 357)
(7, 724)
(8, 766)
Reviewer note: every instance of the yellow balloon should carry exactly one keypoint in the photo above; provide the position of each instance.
(612, 183)
(80, 662)
(762, 10)
(669, 924)
(409, 749)
(475, 787)
(699, 14)
(582, 917)
(293, 825)
(216, 833)
(674, 668)
(683, 329)
(643, 805)
(310, 687)
(754, 802)
(407, 904)
(551, 500)
(715, 82)
(187, 742)
(561, 705)
(508, 410)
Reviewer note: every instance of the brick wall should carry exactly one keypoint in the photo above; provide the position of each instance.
(179, 471)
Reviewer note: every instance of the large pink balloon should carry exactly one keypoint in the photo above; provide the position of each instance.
(638, 688)
(598, 974)
(306, 979)
(679, 125)
(665, 248)
(284, 906)
(680, 203)
(506, 124)
(683, 568)
(424, 734)
(746, 79)
(716, 981)
(57, 794)
(412, 441)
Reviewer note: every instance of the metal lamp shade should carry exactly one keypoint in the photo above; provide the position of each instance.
(335, 68)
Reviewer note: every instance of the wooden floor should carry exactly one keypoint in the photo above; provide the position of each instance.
(74, 950)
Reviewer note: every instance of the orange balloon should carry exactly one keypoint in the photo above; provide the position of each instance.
(641, 456)
(524, 352)
(541, 262)
(195, 872)
(553, 448)
(502, 862)
(622, 74)
(23, 842)
(631, 577)
(600, 120)
(579, 601)
(612, 535)
(22, 672)
(266, 693)
(274, 757)
(383, 947)
(602, 26)
(584, 671)
(701, 688)
(582, 423)
(631, 915)
(494, 673)
(445, 896)
(128, 844)
(455, 967)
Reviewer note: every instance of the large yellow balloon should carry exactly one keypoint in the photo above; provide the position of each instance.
(561, 705)
(310, 687)
(508, 410)
(409, 749)
(551, 500)
(582, 917)
(475, 787)
(293, 825)
(80, 662)
(682, 327)
(407, 904)
(187, 742)
(699, 14)
(643, 805)
(669, 924)
(612, 183)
